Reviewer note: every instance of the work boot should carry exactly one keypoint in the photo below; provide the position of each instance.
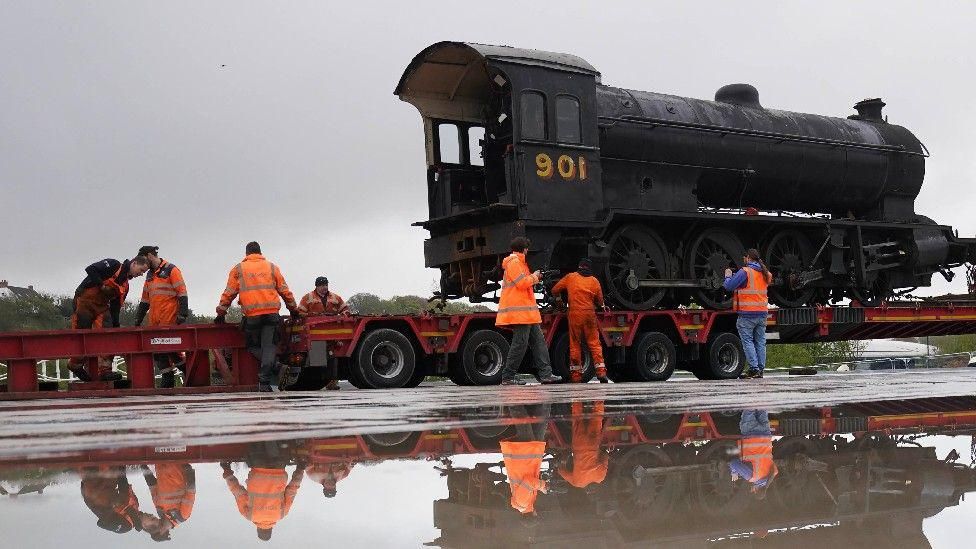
(81, 373)
(575, 375)
(264, 388)
(751, 373)
(167, 380)
(332, 385)
(550, 379)
(601, 373)
(110, 376)
(512, 381)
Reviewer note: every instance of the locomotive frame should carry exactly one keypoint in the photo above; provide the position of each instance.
(663, 192)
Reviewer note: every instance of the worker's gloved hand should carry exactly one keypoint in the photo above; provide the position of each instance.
(181, 319)
(295, 313)
(728, 273)
(219, 320)
(226, 467)
(301, 464)
(108, 291)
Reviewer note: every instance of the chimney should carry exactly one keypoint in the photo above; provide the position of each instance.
(29, 287)
(870, 109)
(3, 283)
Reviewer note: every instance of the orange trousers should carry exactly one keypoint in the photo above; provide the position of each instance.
(583, 327)
(90, 308)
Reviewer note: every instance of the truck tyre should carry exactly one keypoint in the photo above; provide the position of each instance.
(724, 358)
(652, 357)
(385, 359)
(483, 358)
(356, 377)
(559, 356)
(419, 375)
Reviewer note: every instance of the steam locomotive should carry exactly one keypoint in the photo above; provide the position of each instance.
(662, 192)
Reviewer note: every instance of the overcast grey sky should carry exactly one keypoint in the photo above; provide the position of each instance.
(119, 127)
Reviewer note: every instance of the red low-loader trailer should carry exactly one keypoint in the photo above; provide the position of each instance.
(401, 350)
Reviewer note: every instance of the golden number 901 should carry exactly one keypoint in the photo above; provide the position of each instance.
(567, 167)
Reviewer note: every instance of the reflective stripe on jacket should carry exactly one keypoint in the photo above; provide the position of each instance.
(517, 303)
(758, 452)
(257, 283)
(523, 464)
(174, 492)
(161, 292)
(268, 496)
(752, 297)
(313, 304)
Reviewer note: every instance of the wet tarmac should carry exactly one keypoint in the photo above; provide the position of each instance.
(880, 460)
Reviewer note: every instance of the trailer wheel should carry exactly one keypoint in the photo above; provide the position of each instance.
(419, 375)
(356, 377)
(483, 358)
(652, 358)
(385, 359)
(559, 357)
(724, 358)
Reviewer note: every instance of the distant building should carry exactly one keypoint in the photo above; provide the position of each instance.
(6, 290)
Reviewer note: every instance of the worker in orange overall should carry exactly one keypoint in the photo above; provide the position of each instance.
(518, 311)
(755, 463)
(257, 284)
(589, 461)
(164, 299)
(583, 294)
(107, 492)
(268, 496)
(173, 491)
(103, 290)
(329, 475)
(321, 301)
(523, 455)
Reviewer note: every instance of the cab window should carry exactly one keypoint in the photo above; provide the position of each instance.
(533, 115)
(449, 145)
(568, 119)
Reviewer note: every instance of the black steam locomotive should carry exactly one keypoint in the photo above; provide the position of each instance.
(663, 192)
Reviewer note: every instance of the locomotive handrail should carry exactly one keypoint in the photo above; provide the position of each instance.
(758, 133)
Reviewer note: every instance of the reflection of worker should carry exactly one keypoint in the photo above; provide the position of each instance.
(523, 456)
(751, 303)
(104, 289)
(257, 283)
(329, 475)
(518, 311)
(268, 496)
(583, 294)
(588, 462)
(106, 491)
(755, 463)
(321, 301)
(164, 299)
(173, 491)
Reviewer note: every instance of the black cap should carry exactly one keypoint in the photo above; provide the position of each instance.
(321, 281)
(146, 250)
(585, 263)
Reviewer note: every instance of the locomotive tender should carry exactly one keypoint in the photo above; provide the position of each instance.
(663, 192)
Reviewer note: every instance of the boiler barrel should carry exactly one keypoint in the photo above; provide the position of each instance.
(735, 153)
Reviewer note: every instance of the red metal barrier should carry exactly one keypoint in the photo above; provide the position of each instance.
(203, 344)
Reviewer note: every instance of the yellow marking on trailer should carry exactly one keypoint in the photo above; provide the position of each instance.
(691, 326)
(344, 446)
(694, 424)
(620, 428)
(436, 334)
(620, 329)
(924, 416)
(436, 437)
(337, 331)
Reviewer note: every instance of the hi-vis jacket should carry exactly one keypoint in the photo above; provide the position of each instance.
(758, 452)
(314, 304)
(268, 496)
(523, 464)
(750, 288)
(517, 303)
(165, 294)
(257, 283)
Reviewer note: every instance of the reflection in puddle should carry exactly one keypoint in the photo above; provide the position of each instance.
(541, 475)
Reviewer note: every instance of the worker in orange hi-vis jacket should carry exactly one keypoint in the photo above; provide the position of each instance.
(589, 460)
(173, 491)
(584, 296)
(257, 284)
(268, 496)
(165, 301)
(322, 301)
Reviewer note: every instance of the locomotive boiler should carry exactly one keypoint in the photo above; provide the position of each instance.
(662, 192)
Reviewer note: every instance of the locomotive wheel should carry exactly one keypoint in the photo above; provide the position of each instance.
(786, 254)
(876, 294)
(706, 259)
(636, 254)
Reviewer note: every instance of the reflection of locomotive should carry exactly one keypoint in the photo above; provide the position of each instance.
(659, 189)
(870, 488)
